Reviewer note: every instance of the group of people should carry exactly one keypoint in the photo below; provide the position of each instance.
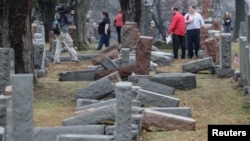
(182, 26)
(188, 26)
(185, 25)
(63, 20)
(104, 29)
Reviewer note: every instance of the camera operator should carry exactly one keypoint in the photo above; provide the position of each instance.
(65, 17)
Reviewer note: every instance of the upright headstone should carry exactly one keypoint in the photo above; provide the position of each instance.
(225, 69)
(22, 98)
(127, 36)
(5, 115)
(248, 25)
(135, 31)
(143, 55)
(125, 56)
(2, 132)
(225, 51)
(243, 28)
(123, 91)
(39, 54)
(246, 64)
(6, 67)
(40, 29)
(243, 43)
(147, 22)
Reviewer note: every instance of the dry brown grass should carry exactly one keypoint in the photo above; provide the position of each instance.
(214, 101)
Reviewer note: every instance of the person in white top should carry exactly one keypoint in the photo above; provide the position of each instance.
(194, 22)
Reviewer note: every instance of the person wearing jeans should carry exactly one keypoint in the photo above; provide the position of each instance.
(104, 31)
(194, 22)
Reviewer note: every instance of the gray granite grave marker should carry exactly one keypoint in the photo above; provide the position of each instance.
(225, 70)
(125, 56)
(123, 91)
(22, 98)
(6, 67)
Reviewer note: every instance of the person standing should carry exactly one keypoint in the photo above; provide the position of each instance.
(63, 20)
(227, 22)
(194, 22)
(178, 29)
(118, 23)
(104, 31)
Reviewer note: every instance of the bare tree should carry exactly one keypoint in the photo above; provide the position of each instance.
(240, 16)
(17, 32)
(157, 18)
(47, 9)
(4, 34)
(81, 19)
(132, 10)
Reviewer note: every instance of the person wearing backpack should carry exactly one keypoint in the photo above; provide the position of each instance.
(63, 20)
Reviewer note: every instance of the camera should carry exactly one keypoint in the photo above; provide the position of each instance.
(62, 9)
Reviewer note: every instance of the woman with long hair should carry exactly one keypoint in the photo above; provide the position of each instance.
(227, 22)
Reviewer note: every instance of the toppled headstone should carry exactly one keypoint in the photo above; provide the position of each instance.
(84, 102)
(198, 65)
(181, 111)
(156, 99)
(96, 105)
(95, 116)
(85, 75)
(50, 133)
(96, 90)
(135, 78)
(161, 58)
(77, 137)
(176, 80)
(107, 63)
(149, 85)
(113, 54)
(167, 121)
(124, 72)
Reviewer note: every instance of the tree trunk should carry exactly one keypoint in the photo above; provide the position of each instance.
(18, 31)
(81, 19)
(159, 22)
(4, 34)
(132, 9)
(138, 12)
(240, 16)
(47, 9)
(128, 9)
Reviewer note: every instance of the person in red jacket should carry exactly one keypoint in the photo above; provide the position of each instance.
(177, 29)
(118, 23)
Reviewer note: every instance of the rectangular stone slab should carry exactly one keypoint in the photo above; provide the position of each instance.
(50, 133)
(168, 121)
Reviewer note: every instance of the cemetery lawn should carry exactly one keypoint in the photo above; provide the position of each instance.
(214, 101)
